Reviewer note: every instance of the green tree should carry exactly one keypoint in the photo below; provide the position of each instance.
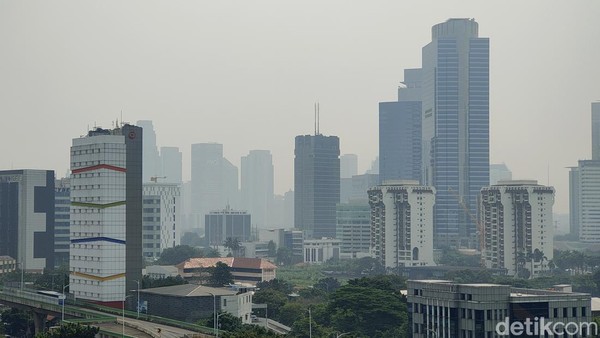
(274, 299)
(17, 323)
(233, 244)
(227, 322)
(192, 239)
(53, 279)
(178, 254)
(291, 312)
(284, 256)
(220, 275)
(272, 249)
(328, 284)
(70, 330)
(276, 284)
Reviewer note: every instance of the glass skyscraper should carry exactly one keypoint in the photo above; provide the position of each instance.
(455, 126)
(316, 184)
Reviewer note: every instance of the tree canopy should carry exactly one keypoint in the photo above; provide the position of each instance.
(70, 330)
(220, 275)
(178, 254)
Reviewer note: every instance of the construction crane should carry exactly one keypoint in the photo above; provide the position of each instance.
(155, 178)
(474, 220)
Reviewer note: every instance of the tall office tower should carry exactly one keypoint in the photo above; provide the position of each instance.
(402, 223)
(374, 169)
(517, 227)
(160, 218)
(207, 180)
(356, 188)
(455, 126)
(400, 132)
(586, 199)
(316, 184)
(499, 172)
(106, 214)
(227, 223)
(231, 184)
(171, 164)
(152, 163)
(27, 218)
(257, 186)
(354, 228)
(62, 211)
(574, 201)
(596, 131)
(288, 209)
(348, 165)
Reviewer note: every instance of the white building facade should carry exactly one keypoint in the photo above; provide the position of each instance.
(160, 218)
(319, 251)
(585, 199)
(402, 224)
(518, 230)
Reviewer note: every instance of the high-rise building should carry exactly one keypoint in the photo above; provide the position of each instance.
(499, 172)
(257, 186)
(316, 184)
(227, 223)
(402, 224)
(214, 181)
(106, 214)
(288, 209)
(355, 188)
(171, 164)
(62, 211)
(455, 125)
(596, 131)
(400, 132)
(160, 218)
(517, 227)
(354, 228)
(574, 202)
(348, 165)
(585, 199)
(27, 218)
(151, 157)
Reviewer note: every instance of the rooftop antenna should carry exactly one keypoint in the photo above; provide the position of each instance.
(121, 116)
(315, 118)
(318, 119)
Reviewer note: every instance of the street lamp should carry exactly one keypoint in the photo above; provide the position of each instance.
(214, 311)
(63, 304)
(123, 318)
(138, 298)
(219, 315)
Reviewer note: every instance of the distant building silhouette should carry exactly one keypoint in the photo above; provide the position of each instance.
(316, 184)
(171, 165)
(214, 181)
(348, 165)
(499, 172)
(152, 164)
(257, 186)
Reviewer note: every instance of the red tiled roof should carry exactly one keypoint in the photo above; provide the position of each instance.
(236, 262)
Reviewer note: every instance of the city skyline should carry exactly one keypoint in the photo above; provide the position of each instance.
(214, 65)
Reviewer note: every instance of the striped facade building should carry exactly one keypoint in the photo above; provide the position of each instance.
(106, 214)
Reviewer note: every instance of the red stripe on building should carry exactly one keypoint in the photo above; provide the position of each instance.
(99, 166)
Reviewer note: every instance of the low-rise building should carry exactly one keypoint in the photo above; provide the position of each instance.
(318, 251)
(439, 308)
(190, 302)
(244, 270)
(161, 271)
(354, 228)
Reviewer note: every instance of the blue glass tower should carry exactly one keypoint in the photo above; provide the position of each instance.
(400, 132)
(455, 126)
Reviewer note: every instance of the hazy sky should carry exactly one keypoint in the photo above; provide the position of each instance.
(246, 74)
